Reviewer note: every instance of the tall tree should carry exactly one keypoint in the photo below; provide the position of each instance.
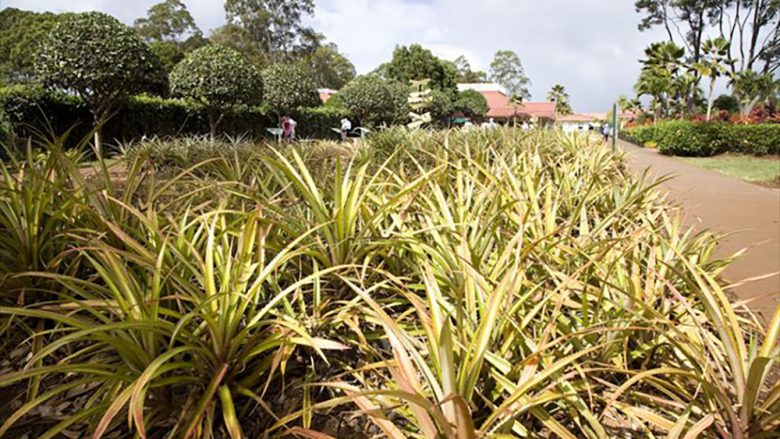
(712, 65)
(275, 26)
(328, 67)
(167, 21)
(465, 74)
(415, 63)
(751, 26)
(21, 33)
(170, 31)
(240, 40)
(559, 95)
(507, 70)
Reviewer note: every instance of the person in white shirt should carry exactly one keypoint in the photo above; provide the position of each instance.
(293, 124)
(346, 127)
(490, 124)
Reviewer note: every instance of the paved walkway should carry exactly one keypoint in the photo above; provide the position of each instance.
(713, 201)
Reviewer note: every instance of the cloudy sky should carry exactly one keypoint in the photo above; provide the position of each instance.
(590, 46)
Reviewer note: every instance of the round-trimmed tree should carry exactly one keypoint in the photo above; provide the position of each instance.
(374, 100)
(218, 78)
(100, 59)
(288, 87)
(441, 105)
(471, 103)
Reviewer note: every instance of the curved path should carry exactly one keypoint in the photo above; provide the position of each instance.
(750, 214)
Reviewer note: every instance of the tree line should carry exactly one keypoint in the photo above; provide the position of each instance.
(709, 40)
(263, 54)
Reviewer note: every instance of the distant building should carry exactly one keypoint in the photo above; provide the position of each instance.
(580, 121)
(326, 93)
(502, 109)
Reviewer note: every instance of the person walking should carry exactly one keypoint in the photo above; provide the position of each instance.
(605, 132)
(346, 127)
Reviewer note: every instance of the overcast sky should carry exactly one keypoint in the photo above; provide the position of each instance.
(589, 46)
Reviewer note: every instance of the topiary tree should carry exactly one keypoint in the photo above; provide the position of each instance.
(471, 103)
(374, 100)
(100, 59)
(288, 87)
(219, 78)
(441, 106)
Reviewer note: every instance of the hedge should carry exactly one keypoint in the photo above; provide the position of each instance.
(703, 139)
(29, 109)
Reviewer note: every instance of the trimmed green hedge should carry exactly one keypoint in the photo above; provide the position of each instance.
(30, 109)
(703, 139)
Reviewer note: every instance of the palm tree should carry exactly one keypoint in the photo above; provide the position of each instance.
(751, 88)
(713, 64)
(685, 92)
(558, 95)
(656, 84)
(665, 56)
(662, 65)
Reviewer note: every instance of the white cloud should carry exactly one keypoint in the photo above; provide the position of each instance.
(590, 46)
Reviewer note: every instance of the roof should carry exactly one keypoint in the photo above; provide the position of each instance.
(326, 93)
(578, 117)
(501, 107)
(482, 87)
(538, 109)
(597, 116)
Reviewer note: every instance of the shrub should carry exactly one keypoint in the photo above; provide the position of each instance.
(219, 78)
(30, 109)
(726, 103)
(759, 139)
(702, 139)
(288, 87)
(641, 135)
(101, 59)
(684, 138)
(6, 129)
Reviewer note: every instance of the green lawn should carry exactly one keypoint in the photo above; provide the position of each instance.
(745, 167)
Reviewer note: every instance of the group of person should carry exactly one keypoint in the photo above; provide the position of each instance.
(289, 124)
(488, 124)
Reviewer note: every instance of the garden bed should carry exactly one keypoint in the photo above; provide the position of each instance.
(449, 284)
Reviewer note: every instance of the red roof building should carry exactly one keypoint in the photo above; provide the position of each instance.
(326, 93)
(500, 107)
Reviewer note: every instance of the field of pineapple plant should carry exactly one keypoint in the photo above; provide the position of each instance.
(456, 285)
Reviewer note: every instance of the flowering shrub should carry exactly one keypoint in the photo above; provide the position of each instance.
(692, 138)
